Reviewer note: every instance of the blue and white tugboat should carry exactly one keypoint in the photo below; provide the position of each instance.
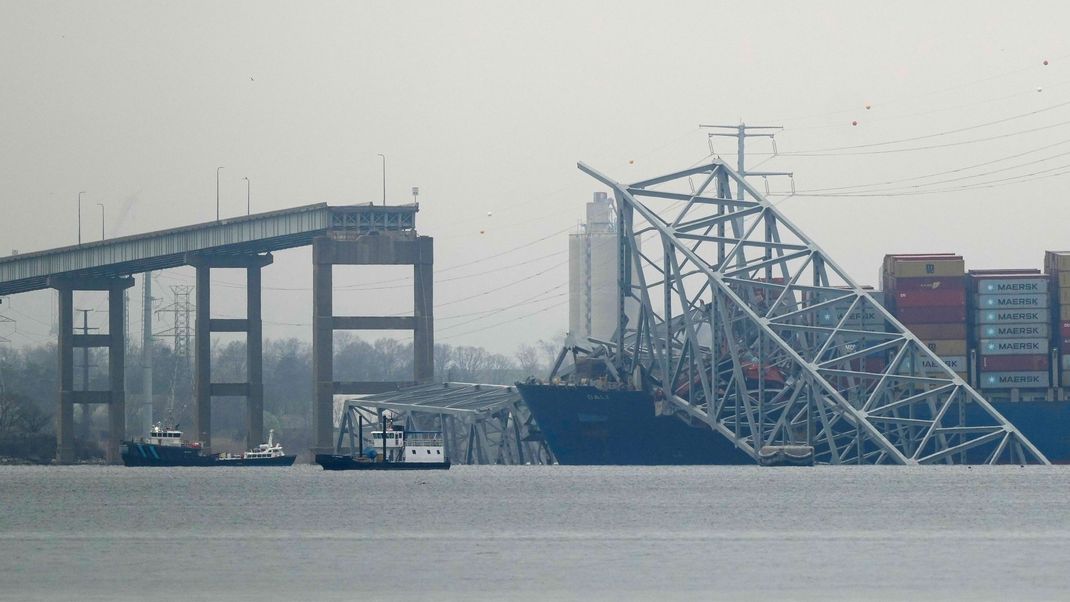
(392, 449)
(164, 447)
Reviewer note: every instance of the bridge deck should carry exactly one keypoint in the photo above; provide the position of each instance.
(257, 233)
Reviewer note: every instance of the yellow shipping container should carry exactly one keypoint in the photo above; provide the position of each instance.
(1064, 296)
(947, 347)
(928, 267)
(1064, 312)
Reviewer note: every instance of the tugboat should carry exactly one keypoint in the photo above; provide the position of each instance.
(164, 447)
(266, 454)
(393, 449)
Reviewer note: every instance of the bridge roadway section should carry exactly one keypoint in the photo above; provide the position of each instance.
(339, 235)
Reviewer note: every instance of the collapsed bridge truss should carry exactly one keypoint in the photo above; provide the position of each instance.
(746, 325)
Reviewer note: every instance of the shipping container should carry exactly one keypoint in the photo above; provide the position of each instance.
(1064, 296)
(1012, 316)
(1005, 272)
(1013, 346)
(1064, 329)
(1056, 261)
(926, 364)
(927, 332)
(920, 267)
(947, 348)
(931, 283)
(1064, 362)
(931, 298)
(1013, 363)
(1012, 380)
(1034, 301)
(1064, 312)
(931, 315)
(1013, 331)
(868, 318)
(1010, 286)
(1064, 279)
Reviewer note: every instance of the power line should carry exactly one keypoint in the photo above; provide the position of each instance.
(940, 173)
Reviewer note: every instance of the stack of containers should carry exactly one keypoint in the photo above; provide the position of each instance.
(927, 294)
(1057, 267)
(863, 317)
(1011, 328)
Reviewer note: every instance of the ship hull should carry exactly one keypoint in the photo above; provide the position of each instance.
(587, 426)
(342, 462)
(1045, 423)
(150, 454)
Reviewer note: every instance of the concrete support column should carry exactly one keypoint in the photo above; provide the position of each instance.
(423, 312)
(202, 358)
(115, 341)
(322, 350)
(254, 345)
(116, 373)
(65, 411)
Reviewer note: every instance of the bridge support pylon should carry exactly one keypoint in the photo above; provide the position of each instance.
(114, 340)
(367, 235)
(252, 325)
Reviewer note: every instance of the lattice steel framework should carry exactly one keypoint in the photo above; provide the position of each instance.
(481, 424)
(745, 324)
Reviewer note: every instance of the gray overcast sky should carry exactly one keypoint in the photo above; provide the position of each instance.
(487, 106)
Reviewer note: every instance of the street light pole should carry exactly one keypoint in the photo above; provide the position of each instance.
(217, 192)
(80, 193)
(384, 178)
(248, 206)
(101, 205)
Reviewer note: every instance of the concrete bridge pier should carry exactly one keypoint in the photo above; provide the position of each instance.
(253, 327)
(367, 247)
(115, 341)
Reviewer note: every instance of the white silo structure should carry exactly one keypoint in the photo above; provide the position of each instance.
(593, 272)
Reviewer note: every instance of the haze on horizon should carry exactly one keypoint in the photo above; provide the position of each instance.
(488, 106)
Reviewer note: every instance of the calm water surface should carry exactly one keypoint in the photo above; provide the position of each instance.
(535, 532)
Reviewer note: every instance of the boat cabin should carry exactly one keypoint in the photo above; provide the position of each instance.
(409, 446)
(165, 436)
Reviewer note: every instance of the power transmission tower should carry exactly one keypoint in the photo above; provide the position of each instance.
(182, 334)
(742, 132)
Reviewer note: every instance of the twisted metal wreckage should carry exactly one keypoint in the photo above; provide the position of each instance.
(741, 322)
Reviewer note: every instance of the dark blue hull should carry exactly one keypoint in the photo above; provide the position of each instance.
(1045, 423)
(149, 454)
(585, 425)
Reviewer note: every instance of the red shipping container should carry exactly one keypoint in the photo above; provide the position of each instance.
(931, 315)
(927, 298)
(932, 283)
(1064, 344)
(875, 364)
(926, 332)
(1014, 363)
(1064, 328)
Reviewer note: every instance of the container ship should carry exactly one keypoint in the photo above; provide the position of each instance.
(1005, 332)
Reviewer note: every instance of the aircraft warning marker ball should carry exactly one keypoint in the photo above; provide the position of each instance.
(1045, 61)
(1040, 89)
(854, 122)
(868, 106)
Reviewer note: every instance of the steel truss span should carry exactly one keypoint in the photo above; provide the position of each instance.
(743, 323)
